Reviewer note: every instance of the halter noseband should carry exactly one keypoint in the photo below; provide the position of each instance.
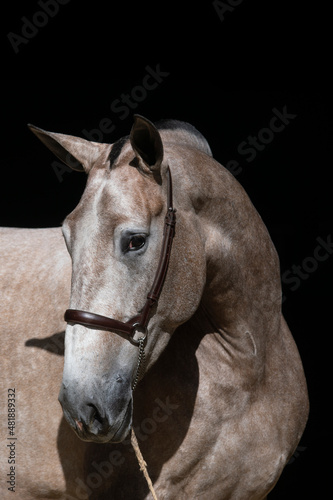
(140, 321)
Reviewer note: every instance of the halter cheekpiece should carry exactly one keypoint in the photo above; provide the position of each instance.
(140, 321)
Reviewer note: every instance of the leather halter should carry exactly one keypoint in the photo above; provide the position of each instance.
(140, 321)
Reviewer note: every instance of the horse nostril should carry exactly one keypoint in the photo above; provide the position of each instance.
(95, 421)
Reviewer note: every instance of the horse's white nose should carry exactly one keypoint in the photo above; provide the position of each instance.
(105, 417)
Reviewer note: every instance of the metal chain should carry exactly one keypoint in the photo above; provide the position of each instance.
(134, 441)
(141, 361)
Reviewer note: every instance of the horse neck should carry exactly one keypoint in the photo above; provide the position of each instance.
(241, 302)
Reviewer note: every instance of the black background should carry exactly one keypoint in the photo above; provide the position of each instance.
(289, 180)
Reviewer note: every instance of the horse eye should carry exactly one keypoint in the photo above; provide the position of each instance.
(136, 243)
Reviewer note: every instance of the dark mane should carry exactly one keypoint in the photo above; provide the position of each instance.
(179, 129)
(176, 124)
(182, 129)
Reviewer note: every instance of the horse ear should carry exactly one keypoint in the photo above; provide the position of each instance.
(79, 154)
(147, 143)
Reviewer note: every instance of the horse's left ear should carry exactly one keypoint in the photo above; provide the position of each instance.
(147, 144)
(79, 154)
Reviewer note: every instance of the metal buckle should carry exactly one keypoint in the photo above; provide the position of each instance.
(141, 340)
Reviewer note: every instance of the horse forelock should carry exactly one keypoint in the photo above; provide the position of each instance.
(116, 150)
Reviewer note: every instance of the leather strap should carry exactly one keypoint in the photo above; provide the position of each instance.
(140, 321)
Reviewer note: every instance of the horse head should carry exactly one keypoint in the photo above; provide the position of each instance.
(114, 237)
(216, 335)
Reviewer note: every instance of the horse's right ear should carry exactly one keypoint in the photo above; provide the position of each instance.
(147, 144)
(79, 154)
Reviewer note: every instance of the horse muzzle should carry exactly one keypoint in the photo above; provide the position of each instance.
(101, 420)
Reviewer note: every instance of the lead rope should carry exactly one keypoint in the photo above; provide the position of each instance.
(142, 463)
(134, 441)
